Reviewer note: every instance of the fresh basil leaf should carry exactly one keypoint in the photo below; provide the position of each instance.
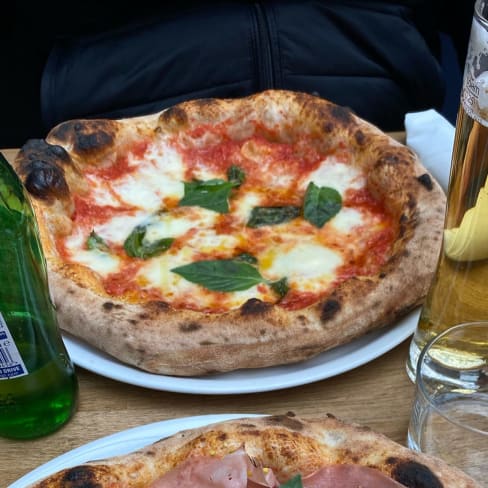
(135, 246)
(321, 204)
(261, 216)
(212, 194)
(280, 287)
(94, 241)
(247, 258)
(295, 482)
(236, 175)
(221, 274)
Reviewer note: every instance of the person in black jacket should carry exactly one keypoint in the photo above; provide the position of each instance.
(380, 58)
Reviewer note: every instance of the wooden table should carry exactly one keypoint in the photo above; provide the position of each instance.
(378, 394)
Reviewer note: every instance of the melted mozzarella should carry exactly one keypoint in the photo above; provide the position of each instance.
(308, 266)
(242, 206)
(157, 273)
(347, 219)
(117, 229)
(165, 225)
(159, 175)
(333, 174)
(100, 262)
(99, 193)
(208, 241)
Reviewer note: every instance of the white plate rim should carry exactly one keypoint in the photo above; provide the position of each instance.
(328, 364)
(122, 442)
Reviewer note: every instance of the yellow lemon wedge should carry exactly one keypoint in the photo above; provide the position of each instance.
(469, 241)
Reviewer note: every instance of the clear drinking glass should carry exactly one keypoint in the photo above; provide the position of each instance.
(459, 290)
(450, 413)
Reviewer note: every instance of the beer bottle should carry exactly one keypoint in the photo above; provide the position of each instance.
(38, 385)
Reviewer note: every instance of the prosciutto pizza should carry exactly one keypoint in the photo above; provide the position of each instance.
(223, 234)
(268, 452)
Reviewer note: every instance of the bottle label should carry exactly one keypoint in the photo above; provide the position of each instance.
(474, 94)
(11, 364)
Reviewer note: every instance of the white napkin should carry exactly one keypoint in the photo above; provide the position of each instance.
(431, 136)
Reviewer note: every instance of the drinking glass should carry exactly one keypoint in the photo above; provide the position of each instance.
(450, 412)
(459, 290)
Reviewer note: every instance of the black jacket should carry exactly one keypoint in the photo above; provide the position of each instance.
(378, 57)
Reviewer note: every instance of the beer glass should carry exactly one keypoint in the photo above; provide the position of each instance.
(459, 290)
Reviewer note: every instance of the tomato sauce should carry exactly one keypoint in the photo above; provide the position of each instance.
(271, 156)
(87, 212)
(295, 300)
(122, 282)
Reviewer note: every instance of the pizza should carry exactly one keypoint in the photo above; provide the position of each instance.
(222, 234)
(267, 451)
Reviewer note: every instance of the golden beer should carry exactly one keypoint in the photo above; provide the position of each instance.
(459, 290)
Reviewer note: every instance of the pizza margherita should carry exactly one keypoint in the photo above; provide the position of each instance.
(236, 233)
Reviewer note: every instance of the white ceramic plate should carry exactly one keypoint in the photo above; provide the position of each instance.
(325, 365)
(121, 443)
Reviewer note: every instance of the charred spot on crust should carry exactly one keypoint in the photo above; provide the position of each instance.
(90, 142)
(84, 476)
(222, 436)
(285, 420)
(359, 137)
(251, 432)
(336, 115)
(329, 309)
(205, 103)
(254, 306)
(108, 306)
(45, 179)
(190, 327)
(156, 307)
(401, 231)
(39, 149)
(426, 181)
(247, 426)
(413, 474)
(341, 115)
(389, 159)
(88, 137)
(412, 202)
(174, 117)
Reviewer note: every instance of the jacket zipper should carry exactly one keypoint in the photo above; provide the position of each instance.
(265, 64)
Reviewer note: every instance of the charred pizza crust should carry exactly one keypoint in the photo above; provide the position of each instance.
(287, 444)
(158, 338)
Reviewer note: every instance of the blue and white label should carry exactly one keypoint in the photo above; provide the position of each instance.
(11, 364)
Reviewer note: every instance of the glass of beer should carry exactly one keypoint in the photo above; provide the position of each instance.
(459, 290)
(449, 418)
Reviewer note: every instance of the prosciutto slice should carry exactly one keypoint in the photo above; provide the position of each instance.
(231, 471)
(237, 471)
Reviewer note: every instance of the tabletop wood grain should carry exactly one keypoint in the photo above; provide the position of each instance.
(378, 394)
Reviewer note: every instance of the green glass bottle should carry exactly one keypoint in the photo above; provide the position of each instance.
(38, 385)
